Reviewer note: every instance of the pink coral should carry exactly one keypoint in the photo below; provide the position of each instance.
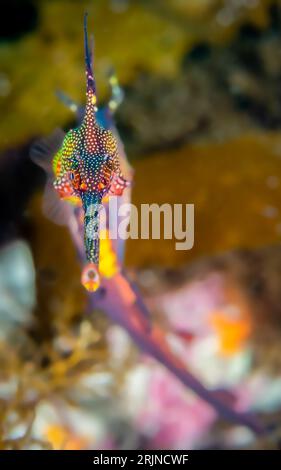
(173, 418)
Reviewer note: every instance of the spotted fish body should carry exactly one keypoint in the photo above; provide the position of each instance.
(87, 168)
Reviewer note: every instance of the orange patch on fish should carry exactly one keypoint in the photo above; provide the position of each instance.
(83, 186)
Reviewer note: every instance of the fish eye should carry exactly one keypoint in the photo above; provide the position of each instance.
(92, 274)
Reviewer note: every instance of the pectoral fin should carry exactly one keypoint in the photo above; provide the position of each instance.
(42, 151)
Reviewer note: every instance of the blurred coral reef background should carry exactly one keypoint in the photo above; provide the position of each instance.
(201, 124)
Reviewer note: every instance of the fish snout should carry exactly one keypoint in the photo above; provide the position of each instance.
(90, 278)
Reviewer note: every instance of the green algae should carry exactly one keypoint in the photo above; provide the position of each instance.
(142, 36)
(235, 187)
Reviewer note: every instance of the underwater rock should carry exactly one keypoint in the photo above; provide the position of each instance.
(221, 92)
(159, 114)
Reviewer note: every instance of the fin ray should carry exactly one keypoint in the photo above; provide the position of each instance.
(43, 150)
